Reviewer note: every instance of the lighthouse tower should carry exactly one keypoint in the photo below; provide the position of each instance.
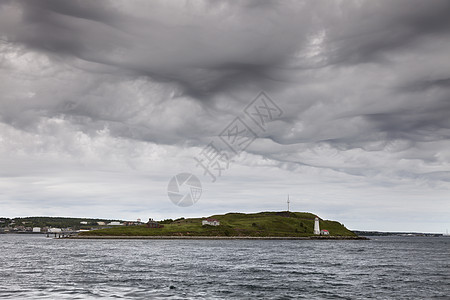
(316, 226)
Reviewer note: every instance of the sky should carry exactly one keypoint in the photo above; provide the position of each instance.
(103, 102)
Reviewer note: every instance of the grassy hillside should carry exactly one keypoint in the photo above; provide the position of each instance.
(262, 224)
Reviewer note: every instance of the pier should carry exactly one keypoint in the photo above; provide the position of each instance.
(62, 234)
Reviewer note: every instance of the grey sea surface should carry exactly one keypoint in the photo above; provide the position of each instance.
(36, 267)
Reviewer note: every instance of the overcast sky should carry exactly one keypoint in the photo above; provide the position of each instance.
(102, 102)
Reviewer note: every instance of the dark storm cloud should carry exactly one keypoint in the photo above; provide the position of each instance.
(352, 75)
(202, 49)
(383, 26)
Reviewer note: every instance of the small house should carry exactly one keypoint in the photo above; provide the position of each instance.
(211, 222)
(324, 232)
(153, 224)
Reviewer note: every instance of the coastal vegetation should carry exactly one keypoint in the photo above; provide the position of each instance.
(264, 224)
(58, 222)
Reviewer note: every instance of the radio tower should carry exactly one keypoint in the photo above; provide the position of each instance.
(288, 202)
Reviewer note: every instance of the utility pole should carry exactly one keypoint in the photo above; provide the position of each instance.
(288, 203)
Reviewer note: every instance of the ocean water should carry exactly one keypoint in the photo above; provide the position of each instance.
(36, 267)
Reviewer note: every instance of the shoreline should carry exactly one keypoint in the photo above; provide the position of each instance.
(162, 237)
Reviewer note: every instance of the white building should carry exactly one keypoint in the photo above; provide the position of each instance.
(316, 226)
(324, 232)
(100, 223)
(54, 230)
(114, 223)
(36, 229)
(212, 222)
(83, 223)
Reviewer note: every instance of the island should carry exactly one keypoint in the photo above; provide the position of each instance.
(263, 225)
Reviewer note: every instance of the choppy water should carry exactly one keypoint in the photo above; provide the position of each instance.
(383, 268)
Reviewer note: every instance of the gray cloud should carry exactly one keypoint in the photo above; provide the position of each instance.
(203, 49)
(120, 85)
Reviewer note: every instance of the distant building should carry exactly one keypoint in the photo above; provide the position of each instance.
(316, 226)
(114, 223)
(210, 221)
(101, 223)
(36, 229)
(131, 223)
(54, 230)
(324, 232)
(83, 223)
(153, 224)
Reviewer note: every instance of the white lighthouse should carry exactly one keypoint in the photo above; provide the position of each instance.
(316, 226)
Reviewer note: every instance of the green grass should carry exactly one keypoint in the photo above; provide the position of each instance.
(280, 224)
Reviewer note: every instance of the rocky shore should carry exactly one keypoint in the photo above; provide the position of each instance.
(218, 237)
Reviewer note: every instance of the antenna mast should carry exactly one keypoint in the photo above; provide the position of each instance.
(288, 202)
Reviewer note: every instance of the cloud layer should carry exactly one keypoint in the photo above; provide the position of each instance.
(102, 102)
